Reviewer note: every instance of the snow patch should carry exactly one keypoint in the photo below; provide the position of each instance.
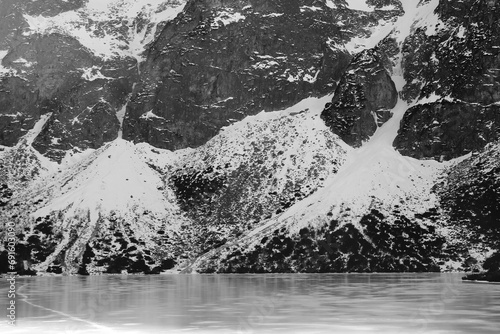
(93, 73)
(415, 15)
(121, 116)
(73, 157)
(375, 34)
(23, 62)
(388, 7)
(265, 64)
(310, 8)
(313, 105)
(461, 32)
(330, 4)
(435, 98)
(4, 71)
(311, 79)
(72, 24)
(359, 5)
(150, 114)
(228, 17)
(27, 140)
(273, 15)
(33, 133)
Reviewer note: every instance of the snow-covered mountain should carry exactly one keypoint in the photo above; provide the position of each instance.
(250, 135)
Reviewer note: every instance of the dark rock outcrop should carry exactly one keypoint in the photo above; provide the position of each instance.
(5, 194)
(16, 115)
(458, 59)
(362, 99)
(90, 129)
(447, 130)
(378, 4)
(52, 7)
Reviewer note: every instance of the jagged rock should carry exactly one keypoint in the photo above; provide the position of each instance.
(459, 57)
(365, 93)
(213, 65)
(447, 130)
(10, 19)
(49, 63)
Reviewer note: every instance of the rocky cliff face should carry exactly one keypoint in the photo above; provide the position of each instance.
(457, 58)
(212, 65)
(363, 98)
(69, 60)
(447, 129)
(218, 62)
(248, 136)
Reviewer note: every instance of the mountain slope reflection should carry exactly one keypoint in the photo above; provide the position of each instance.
(286, 303)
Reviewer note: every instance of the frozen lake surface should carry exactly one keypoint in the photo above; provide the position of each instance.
(274, 303)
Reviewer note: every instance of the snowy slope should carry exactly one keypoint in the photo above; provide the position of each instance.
(114, 195)
(110, 28)
(374, 176)
(255, 169)
(119, 177)
(296, 131)
(112, 178)
(375, 171)
(415, 15)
